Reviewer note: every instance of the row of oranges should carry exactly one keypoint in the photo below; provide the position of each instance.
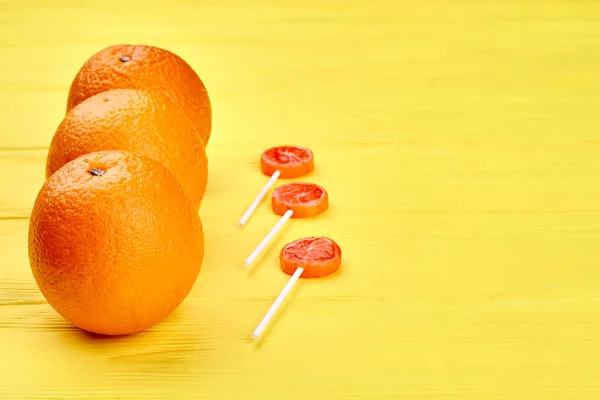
(115, 240)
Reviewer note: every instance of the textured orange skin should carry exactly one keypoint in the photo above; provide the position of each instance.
(281, 202)
(133, 120)
(114, 254)
(271, 161)
(313, 267)
(153, 69)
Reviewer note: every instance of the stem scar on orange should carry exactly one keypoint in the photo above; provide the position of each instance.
(156, 70)
(115, 245)
(133, 120)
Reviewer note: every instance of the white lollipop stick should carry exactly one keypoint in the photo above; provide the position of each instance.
(259, 198)
(267, 239)
(277, 303)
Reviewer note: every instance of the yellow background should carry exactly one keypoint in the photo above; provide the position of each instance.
(459, 141)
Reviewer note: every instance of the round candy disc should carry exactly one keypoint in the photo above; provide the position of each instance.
(318, 256)
(304, 199)
(290, 161)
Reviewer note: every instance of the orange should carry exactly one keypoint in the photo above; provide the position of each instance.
(304, 199)
(290, 161)
(115, 245)
(133, 120)
(153, 69)
(318, 256)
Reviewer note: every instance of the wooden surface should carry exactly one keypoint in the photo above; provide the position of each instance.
(459, 141)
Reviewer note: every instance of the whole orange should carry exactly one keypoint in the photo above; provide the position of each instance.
(114, 243)
(153, 69)
(133, 120)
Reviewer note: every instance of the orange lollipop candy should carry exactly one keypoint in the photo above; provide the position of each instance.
(297, 199)
(317, 257)
(290, 161)
(310, 257)
(280, 162)
(304, 199)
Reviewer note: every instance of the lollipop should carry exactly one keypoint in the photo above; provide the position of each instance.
(297, 200)
(310, 257)
(284, 162)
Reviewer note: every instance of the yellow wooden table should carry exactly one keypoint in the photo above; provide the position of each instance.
(460, 144)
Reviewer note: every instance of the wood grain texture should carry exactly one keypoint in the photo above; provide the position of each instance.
(459, 143)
